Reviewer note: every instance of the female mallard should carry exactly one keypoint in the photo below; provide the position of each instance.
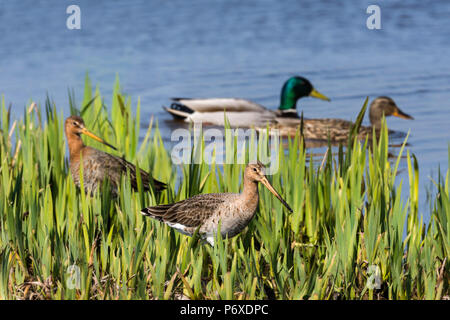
(241, 112)
(337, 129)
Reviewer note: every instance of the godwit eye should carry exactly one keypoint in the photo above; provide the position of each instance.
(254, 169)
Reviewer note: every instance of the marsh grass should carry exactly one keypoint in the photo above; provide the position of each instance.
(351, 225)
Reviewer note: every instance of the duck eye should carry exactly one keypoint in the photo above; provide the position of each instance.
(74, 123)
(254, 169)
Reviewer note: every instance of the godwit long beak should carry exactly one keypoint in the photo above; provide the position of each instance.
(93, 136)
(267, 184)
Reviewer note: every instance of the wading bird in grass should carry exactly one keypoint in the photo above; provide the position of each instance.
(99, 165)
(338, 130)
(245, 113)
(204, 212)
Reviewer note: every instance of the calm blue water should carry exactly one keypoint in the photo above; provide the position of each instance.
(230, 48)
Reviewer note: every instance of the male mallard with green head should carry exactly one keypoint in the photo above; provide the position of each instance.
(245, 113)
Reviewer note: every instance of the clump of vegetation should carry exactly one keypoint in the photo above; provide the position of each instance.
(352, 234)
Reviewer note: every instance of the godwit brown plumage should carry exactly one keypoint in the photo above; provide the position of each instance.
(234, 211)
(99, 165)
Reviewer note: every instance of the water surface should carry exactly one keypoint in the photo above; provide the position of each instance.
(242, 49)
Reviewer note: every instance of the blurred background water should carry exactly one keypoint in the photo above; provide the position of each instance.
(247, 49)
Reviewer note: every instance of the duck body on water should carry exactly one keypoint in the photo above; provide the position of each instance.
(205, 212)
(338, 130)
(242, 112)
(285, 120)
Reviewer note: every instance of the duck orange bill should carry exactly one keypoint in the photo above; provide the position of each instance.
(316, 94)
(275, 193)
(399, 113)
(93, 136)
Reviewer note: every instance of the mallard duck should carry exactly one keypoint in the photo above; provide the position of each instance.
(99, 165)
(338, 129)
(241, 112)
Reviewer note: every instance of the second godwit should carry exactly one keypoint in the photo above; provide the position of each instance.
(204, 212)
(99, 165)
